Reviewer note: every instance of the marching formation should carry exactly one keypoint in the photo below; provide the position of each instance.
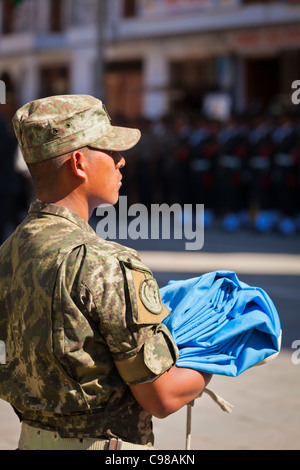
(245, 171)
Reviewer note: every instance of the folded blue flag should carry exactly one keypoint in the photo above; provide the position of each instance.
(220, 324)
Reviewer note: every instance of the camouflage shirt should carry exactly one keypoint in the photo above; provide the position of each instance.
(80, 319)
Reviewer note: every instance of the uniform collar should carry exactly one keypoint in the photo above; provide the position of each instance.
(40, 207)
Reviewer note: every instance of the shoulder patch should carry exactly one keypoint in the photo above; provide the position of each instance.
(146, 303)
(149, 295)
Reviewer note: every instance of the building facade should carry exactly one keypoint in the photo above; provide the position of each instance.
(153, 57)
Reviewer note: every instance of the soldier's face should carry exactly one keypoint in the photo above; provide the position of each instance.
(105, 176)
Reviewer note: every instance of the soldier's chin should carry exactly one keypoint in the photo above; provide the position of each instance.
(107, 204)
(110, 203)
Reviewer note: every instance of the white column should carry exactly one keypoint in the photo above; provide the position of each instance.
(28, 80)
(156, 82)
(82, 68)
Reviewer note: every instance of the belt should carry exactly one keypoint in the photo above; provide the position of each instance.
(32, 438)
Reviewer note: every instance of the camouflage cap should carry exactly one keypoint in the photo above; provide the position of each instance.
(53, 126)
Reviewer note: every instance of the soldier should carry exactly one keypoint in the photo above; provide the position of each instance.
(88, 361)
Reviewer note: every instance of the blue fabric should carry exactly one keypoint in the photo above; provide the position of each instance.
(220, 324)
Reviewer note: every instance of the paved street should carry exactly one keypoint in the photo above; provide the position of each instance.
(266, 399)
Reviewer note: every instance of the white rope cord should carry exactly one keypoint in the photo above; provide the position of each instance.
(189, 425)
(223, 404)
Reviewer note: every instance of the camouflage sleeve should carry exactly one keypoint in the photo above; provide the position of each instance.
(129, 308)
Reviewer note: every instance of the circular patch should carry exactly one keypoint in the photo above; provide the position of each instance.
(150, 296)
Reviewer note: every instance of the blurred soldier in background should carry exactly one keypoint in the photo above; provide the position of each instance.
(261, 200)
(232, 181)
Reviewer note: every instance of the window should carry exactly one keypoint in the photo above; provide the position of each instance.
(56, 16)
(129, 8)
(8, 17)
(54, 81)
(123, 89)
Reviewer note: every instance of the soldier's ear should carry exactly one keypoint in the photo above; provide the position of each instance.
(78, 164)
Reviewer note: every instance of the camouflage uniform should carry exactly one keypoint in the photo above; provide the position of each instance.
(80, 320)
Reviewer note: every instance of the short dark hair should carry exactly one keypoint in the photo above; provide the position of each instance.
(44, 173)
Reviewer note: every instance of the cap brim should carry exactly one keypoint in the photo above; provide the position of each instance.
(118, 139)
